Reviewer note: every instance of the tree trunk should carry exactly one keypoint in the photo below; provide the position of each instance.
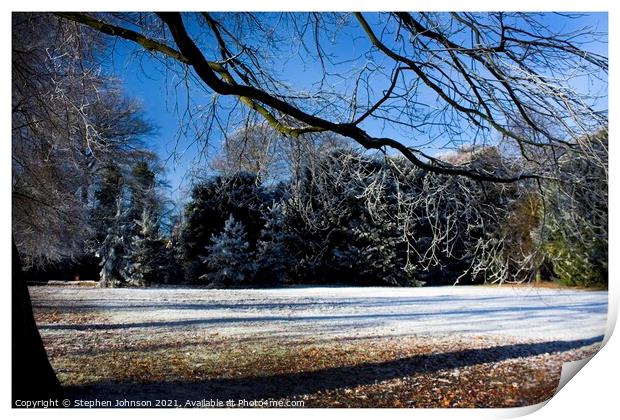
(32, 375)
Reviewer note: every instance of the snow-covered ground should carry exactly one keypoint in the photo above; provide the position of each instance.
(522, 313)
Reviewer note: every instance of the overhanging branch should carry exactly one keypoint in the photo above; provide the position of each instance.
(189, 53)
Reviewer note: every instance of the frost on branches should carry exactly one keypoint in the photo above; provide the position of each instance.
(146, 252)
(228, 259)
(273, 259)
(112, 250)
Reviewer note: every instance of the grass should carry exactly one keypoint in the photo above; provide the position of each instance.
(196, 363)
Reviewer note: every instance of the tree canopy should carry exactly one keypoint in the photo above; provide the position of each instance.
(392, 80)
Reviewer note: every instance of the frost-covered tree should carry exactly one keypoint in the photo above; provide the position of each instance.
(212, 200)
(228, 261)
(70, 121)
(172, 270)
(460, 77)
(144, 195)
(375, 247)
(113, 249)
(456, 227)
(128, 241)
(146, 254)
(343, 211)
(273, 259)
(575, 232)
(105, 208)
(113, 230)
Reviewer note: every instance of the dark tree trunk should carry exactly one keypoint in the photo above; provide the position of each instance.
(32, 375)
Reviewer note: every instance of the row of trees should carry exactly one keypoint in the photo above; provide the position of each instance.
(345, 216)
(78, 149)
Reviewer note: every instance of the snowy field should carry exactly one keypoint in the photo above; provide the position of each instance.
(327, 347)
(320, 312)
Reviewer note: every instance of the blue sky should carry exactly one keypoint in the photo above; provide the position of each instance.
(143, 78)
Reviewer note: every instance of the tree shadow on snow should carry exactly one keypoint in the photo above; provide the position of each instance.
(289, 385)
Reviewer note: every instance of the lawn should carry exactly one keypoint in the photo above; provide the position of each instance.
(324, 346)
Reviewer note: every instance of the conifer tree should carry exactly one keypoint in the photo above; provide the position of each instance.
(146, 252)
(212, 201)
(106, 197)
(228, 261)
(273, 261)
(113, 248)
(142, 186)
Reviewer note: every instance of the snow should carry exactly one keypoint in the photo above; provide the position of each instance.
(520, 313)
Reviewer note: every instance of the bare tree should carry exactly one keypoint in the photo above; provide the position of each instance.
(256, 149)
(272, 157)
(69, 120)
(460, 77)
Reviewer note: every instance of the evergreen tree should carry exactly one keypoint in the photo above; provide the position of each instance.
(273, 262)
(172, 271)
(205, 215)
(146, 252)
(173, 253)
(228, 260)
(112, 230)
(113, 249)
(142, 189)
(106, 196)
(128, 240)
(575, 236)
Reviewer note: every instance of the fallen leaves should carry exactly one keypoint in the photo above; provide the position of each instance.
(512, 382)
(415, 371)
